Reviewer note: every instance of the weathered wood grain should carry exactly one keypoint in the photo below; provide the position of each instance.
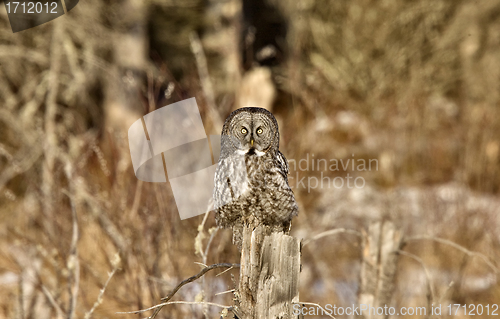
(269, 275)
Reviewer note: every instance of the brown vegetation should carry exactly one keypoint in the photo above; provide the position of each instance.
(413, 84)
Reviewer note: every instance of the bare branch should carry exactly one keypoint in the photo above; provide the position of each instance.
(101, 293)
(332, 232)
(186, 281)
(198, 241)
(50, 298)
(226, 271)
(105, 222)
(159, 306)
(443, 295)
(201, 273)
(206, 84)
(51, 142)
(204, 252)
(201, 264)
(213, 231)
(458, 247)
(427, 274)
(225, 292)
(73, 262)
(137, 198)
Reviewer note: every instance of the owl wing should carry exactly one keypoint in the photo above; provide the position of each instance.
(282, 163)
(222, 191)
(230, 183)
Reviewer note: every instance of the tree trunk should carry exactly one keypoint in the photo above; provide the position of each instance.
(379, 267)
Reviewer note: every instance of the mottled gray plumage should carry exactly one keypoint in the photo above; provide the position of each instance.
(251, 185)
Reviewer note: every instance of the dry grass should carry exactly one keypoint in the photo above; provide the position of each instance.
(413, 84)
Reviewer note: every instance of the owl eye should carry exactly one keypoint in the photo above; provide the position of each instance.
(244, 130)
(259, 131)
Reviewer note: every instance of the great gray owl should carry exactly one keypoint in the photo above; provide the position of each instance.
(251, 184)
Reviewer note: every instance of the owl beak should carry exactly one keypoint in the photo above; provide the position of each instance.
(251, 142)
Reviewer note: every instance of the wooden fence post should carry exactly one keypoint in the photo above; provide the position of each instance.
(269, 275)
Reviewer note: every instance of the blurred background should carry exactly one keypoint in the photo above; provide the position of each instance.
(413, 86)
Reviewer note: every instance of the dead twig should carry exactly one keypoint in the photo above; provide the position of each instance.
(332, 232)
(443, 295)
(116, 263)
(225, 292)
(458, 247)
(226, 271)
(198, 275)
(206, 84)
(204, 253)
(73, 263)
(52, 301)
(159, 306)
(184, 282)
(431, 297)
(51, 145)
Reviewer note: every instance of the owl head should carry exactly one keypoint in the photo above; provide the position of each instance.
(251, 130)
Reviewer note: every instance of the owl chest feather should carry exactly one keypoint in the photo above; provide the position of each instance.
(249, 175)
(256, 188)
